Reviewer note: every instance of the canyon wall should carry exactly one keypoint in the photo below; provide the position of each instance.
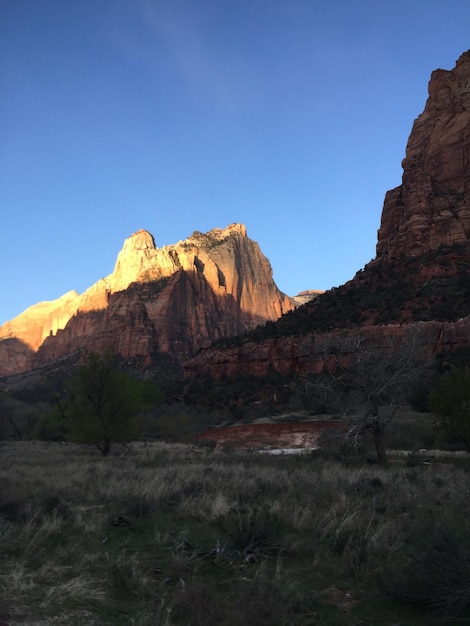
(431, 208)
(306, 355)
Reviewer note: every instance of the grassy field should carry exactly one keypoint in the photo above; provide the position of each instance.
(170, 534)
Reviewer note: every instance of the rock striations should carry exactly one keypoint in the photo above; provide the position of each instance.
(171, 299)
(431, 208)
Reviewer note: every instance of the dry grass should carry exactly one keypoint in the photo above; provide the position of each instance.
(137, 537)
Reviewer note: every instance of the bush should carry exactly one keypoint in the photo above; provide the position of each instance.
(450, 402)
(255, 532)
(436, 573)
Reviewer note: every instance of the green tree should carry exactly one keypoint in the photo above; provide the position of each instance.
(104, 403)
(52, 425)
(450, 403)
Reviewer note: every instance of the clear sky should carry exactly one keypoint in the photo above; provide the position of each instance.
(290, 116)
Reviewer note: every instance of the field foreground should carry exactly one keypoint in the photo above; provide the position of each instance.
(170, 534)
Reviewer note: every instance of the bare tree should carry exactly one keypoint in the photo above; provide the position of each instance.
(365, 383)
(8, 416)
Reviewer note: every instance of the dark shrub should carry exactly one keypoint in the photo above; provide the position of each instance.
(255, 532)
(139, 507)
(436, 571)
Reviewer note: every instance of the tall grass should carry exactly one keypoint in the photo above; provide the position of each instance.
(176, 534)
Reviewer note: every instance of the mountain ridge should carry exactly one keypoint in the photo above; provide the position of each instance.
(171, 299)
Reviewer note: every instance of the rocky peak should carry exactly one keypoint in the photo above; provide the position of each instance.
(431, 208)
(306, 296)
(141, 240)
(141, 261)
(171, 299)
(217, 235)
(134, 261)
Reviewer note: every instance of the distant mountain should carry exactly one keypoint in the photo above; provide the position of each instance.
(421, 274)
(172, 299)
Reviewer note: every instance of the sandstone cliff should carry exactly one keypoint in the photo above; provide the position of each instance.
(171, 299)
(306, 354)
(431, 208)
(421, 275)
(40, 320)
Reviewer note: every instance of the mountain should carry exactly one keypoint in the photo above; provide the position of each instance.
(218, 285)
(421, 274)
(431, 208)
(172, 299)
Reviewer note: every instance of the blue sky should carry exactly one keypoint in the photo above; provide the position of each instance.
(290, 116)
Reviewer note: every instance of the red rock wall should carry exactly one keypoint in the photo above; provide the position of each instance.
(431, 208)
(307, 354)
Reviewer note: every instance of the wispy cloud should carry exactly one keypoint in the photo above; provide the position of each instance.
(179, 34)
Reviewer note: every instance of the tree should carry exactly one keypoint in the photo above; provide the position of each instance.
(450, 403)
(16, 417)
(8, 422)
(103, 403)
(366, 383)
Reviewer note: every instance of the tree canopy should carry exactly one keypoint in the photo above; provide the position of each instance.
(104, 403)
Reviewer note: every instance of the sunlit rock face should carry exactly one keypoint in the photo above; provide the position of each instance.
(306, 296)
(431, 208)
(231, 265)
(172, 299)
(40, 320)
